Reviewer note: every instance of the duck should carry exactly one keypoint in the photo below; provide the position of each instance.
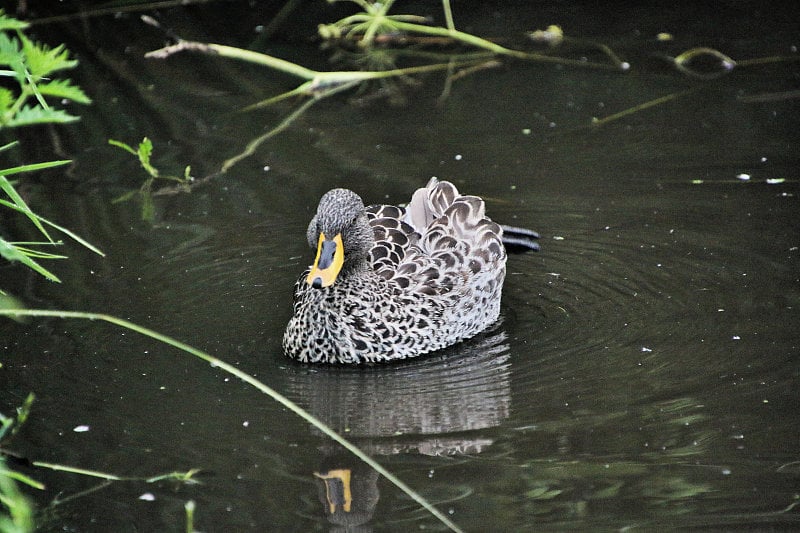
(391, 283)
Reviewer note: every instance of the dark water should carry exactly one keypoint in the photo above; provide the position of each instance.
(645, 371)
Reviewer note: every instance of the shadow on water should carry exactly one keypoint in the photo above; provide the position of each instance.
(645, 371)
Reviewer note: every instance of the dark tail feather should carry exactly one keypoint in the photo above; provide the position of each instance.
(519, 240)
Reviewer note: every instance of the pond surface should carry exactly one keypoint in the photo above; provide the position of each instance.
(645, 370)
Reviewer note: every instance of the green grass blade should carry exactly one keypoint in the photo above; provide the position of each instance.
(62, 229)
(21, 206)
(76, 470)
(12, 253)
(22, 478)
(124, 146)
(34, 253)
(31, 166)
(75, 237)
(8, 146)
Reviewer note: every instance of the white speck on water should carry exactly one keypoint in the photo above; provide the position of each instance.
(148, 497)
(526, 131)
(266, 168)
(458, 157)
(646, 349)
(736, 338)
(83, 428)
(558, 238)
(246, 423)
(763, 159)
(726, 471)
(743, 176)
(430, 473)
(775, 181)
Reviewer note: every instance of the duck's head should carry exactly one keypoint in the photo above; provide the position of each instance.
(342, 236)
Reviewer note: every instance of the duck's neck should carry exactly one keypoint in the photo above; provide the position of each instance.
(356, 267)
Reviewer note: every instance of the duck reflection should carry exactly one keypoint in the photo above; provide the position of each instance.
(348, 491)
(433, 406)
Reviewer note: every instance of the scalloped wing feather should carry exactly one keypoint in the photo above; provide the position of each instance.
(456, 243)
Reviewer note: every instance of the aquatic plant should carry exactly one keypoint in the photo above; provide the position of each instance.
(374, 39)
(144, 152)
(374, 31)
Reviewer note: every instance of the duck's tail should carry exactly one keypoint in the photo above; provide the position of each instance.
(519, 240)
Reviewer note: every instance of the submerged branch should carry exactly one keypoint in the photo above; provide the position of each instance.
(234, 53)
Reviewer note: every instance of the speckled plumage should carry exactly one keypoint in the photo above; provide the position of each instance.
(413, 280)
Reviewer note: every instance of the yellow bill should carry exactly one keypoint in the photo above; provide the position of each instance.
(328, 263)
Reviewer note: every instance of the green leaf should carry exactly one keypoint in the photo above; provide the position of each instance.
(33, 253)
(144, 152)
(124, 146)
(64, 89)
(9, 302)
(31, 167)
(20, 205)
(8, 146)
(22, 478)
(10, 426)
(42, 60)
(7, 99)
(28, 116)
(38, 219)
(11, 253)
(9, 50)
(9, 23)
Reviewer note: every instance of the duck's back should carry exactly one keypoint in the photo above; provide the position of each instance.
(444, 249)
